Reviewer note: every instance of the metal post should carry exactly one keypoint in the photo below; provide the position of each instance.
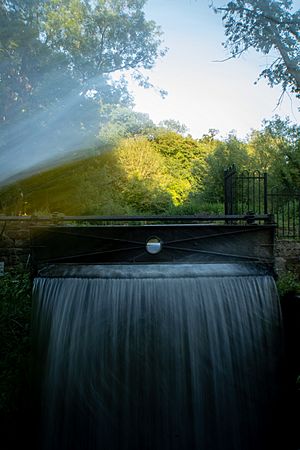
(225, 192)
(265, 193)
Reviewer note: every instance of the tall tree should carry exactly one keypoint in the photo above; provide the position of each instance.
(49, 46)
(185, 161)
(104, 36)
(57, 58)
(225, 154)
(268, 26)
(283, 140)
(119, 122)
(174, 125)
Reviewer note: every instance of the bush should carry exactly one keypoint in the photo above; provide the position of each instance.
(15, 354)
(288, 283)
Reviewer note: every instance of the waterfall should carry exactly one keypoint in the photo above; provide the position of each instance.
(152, 357)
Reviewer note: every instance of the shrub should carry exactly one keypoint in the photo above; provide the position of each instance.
(15, 352)
(288, 283)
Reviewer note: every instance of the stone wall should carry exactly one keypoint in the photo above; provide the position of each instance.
(14, 244)
(287, 256)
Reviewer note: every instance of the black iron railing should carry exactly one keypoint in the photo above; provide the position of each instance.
(285, 208)
(195, 218)
(245, 192)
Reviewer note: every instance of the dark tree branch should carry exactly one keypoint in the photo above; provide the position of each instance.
(290, 23)
(254, 24)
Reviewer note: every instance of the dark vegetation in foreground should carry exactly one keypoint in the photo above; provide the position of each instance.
(15, 360)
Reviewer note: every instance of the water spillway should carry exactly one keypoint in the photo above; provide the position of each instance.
(158, 356)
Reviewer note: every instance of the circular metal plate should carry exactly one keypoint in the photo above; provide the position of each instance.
(153, 245)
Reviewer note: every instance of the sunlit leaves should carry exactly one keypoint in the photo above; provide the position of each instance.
(142, 178)
(103, 36)
(48, 47)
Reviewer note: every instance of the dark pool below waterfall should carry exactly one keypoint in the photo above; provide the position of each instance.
(152, 357)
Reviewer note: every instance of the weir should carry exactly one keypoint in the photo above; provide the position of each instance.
(157, 337)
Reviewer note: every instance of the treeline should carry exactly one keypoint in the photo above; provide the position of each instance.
(63, 66)
(140, 168)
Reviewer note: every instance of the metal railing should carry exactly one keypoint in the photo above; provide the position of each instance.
(195, 218)
(285, 207)
(245, 192)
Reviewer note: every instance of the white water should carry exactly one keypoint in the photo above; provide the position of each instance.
(178, 359)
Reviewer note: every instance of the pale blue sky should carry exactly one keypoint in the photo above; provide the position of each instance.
(205, 94)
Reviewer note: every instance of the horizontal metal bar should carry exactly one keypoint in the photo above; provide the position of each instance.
(206, 252)
(196, 217)
(98, 252)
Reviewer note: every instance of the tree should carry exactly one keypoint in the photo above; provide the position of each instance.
(226, 153)
(102, 37)
(141, 177)
(185, 160)
(118, 122)
(283, 145)
(174, 125)
(267, 26)
(56, 62)
(75, 44)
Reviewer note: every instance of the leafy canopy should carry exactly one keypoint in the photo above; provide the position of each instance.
(49, 47)
(103, 36)
(270, 27)
(57, 61)
(158, 172)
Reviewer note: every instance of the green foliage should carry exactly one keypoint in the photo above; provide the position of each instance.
(141, 177)
(102, 37)
(48, 48)
(196, 204)
(131, 178)
(185, 161)
(267, 26)
(57, 58)
(231, 151)
(91, 188)
(288, 283)
(154, 170)
(118, 122)
(276, 149)
(15, 344)
(174, 125)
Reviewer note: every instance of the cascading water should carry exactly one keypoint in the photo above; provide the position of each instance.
(152, 357)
